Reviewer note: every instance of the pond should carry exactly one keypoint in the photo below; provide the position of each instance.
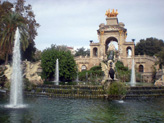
(65, 110)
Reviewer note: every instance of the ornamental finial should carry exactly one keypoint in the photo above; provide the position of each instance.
(111, 14)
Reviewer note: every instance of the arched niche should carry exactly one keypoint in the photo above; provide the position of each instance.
(141, 68)
(83, 67)
(108, 41)
(129, 51)
(95, 52)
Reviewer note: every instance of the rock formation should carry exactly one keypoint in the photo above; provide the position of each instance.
(30, 71)
(160, 82)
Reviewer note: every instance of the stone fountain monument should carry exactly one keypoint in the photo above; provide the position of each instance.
(108, 65)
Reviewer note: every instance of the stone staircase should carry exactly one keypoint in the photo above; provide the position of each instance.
(69, 91)
(148, 92)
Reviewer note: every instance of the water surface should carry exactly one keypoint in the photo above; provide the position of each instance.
(64, 110)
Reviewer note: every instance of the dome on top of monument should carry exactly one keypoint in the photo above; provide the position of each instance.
(101, 25)
(121, 24)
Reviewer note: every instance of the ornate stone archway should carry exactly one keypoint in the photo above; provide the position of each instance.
(108, 41)
(114, 30)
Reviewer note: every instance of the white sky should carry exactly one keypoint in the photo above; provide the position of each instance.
(75, 22)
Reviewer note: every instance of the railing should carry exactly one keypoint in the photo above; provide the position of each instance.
(153, 58)
(77, 57)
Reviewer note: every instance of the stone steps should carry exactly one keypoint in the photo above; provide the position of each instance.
(40, 94)
(68, 91)
(136, 92)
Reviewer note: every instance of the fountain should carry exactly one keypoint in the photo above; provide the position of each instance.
(16, 94)
(86, 76)
(77, 78)
(56, 81)
(133, 76)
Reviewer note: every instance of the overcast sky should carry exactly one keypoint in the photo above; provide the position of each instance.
(75, 22)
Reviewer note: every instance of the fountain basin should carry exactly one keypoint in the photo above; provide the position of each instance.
(64, 110)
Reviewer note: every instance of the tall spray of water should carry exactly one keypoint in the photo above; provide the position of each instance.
(133, 75)
(16, 96)
(57, 73)
(77, 78)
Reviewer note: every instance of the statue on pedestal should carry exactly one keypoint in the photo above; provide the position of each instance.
(108, 67)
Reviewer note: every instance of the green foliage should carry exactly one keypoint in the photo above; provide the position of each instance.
(150, 46)
(120, 66)
(116, 88)
(83, 75)
(37, 55)
(27, 85)
(122, 72)
(96, 68)
(154, 73)
(93, 75)
(160, 56)
(138, 77)
(10, 22)
(48, 83)
(23, 18)
(67, 65)
(82, 52)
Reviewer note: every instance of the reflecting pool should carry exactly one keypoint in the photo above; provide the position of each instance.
(65, 110)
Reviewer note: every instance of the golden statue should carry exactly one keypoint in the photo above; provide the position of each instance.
(111, 14)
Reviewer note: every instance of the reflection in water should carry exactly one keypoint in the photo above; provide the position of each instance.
(16, 116)
(63, 110)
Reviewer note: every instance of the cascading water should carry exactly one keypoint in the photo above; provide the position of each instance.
(133, 75)
(16, 95)
(57, 73)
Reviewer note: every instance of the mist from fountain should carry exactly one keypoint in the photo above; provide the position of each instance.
(56, 81)
(133, 75)
(16, 88)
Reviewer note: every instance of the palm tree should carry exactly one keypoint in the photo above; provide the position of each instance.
(9, 22)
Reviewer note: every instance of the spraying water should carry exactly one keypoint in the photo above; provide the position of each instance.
(16, 95)
(57, 73)
(133, 75)
(77, 78)
(86, 75)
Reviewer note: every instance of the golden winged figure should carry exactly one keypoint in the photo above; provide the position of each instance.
(105, 69)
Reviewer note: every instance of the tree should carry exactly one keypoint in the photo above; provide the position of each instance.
(10, 23)
(67, 65)
(160, 56)
(37, 55)
(150, 46)
(32, 25)
(82, 52)
(26, 16)
(5, 8)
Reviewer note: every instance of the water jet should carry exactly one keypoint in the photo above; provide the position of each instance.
(16, 88)
(56, 81)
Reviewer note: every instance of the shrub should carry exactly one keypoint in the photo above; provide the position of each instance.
(67, 65)
(122, 72)
(94, 74)
(116, 88)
